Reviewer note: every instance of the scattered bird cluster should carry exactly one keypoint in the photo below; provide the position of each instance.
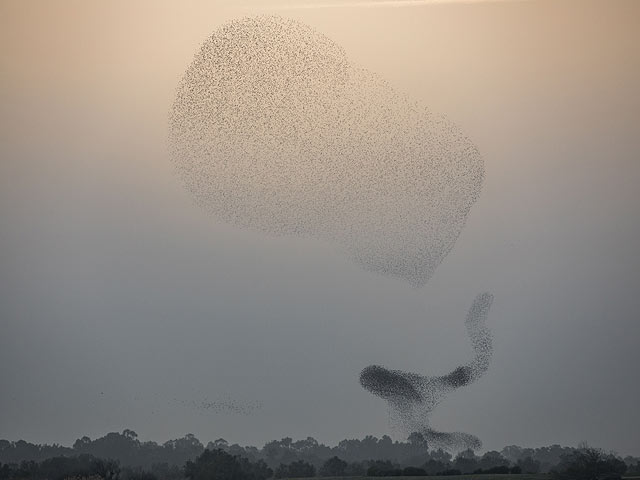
(413, 397)
(224, 405)
(229, 405)
(274, 129)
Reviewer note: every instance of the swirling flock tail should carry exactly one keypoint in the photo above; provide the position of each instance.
(413, 396)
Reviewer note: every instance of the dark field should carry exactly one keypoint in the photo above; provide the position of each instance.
(507, 476)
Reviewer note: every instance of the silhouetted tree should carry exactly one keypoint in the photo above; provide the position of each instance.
(334, 467)
(182, 449)
(213, 465)
(588, 463)
(5, 471)
(413, 472)
(633, 466)
(491, 460)
(298, 469)
(219, 465)
(434, 467)
(383, 468)
(356, 469)
(528, 465)
(146, 459)
(220, 443)
(466, 461)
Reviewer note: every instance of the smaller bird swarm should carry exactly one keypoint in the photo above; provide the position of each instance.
(413, 397)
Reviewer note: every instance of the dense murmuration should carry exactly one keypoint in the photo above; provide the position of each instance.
(274, 129)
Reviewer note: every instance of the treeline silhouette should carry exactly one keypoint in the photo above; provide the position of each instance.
(123, 456)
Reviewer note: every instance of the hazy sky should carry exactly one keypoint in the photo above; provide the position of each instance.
(121, 302)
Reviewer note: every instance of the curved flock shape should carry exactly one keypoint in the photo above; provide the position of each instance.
(274, 129)
(413, 397)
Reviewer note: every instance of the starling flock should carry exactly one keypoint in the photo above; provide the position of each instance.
(413, 397)
(274, 129)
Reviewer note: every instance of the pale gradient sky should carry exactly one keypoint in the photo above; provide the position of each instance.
(311, 4)
(119, 298)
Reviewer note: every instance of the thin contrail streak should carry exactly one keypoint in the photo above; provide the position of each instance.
(378, 3)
